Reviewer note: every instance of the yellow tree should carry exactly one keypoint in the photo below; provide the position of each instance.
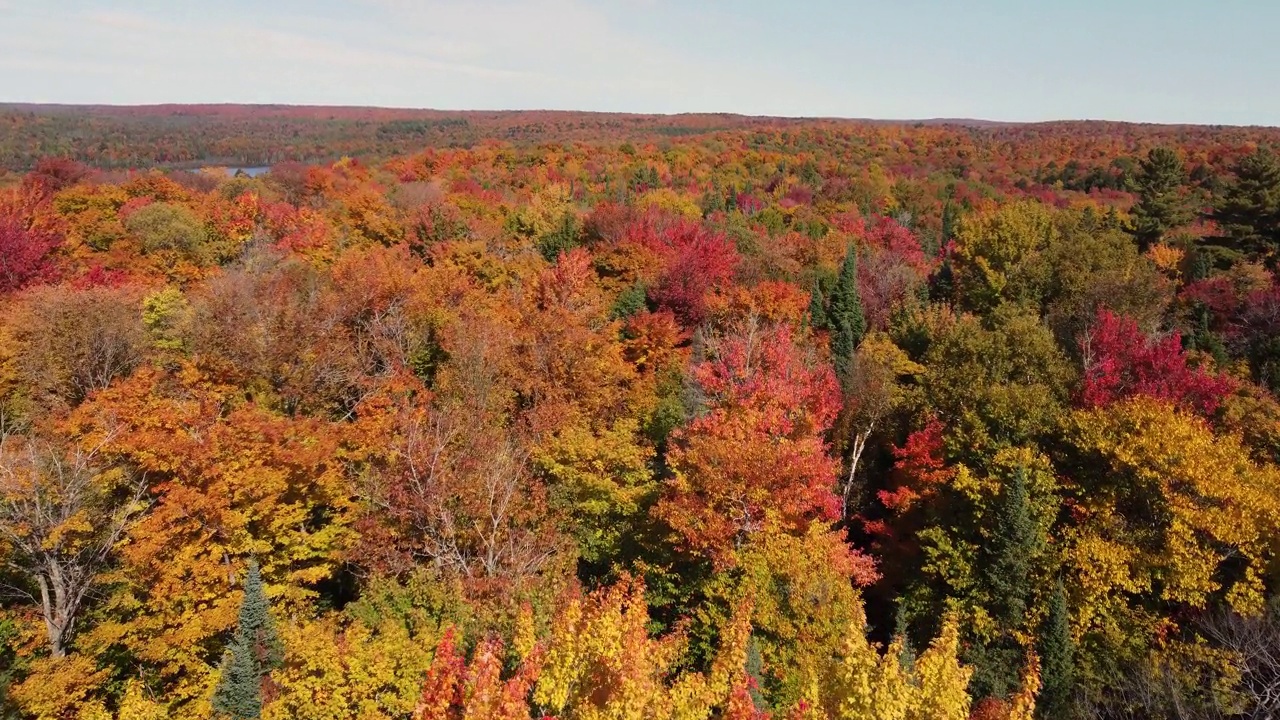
(62, 511)
(229, 481)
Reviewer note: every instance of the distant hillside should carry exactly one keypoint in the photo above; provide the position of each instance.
(109, 136)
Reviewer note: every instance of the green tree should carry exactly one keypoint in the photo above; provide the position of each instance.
(1162, 204)
(1057, 657)
(254, 652)
(1015, 543)
(1249, 211)
(167, 228)
(817, 309)
(845, 318)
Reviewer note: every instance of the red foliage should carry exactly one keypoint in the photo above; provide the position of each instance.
(756, 459)
(695, 262)
(918, 469)
(1120, 362)
(132, 206)
(607, 222)
(26, 246)
(1218, 296)
(52, 175)
(98, 276)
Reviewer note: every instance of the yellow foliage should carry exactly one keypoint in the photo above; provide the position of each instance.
(1209, 501)
(1167, 258)
(992, 245)
(601, 664)
(137, 704)
(672, 201)
(942, 681)
(61, 687)
(349, 672)
(1023, 702)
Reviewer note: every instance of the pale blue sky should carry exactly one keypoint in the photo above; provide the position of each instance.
(1211, 61)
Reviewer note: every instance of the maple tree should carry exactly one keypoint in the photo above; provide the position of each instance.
(1120, 361)
(757, 459)
(26, 244)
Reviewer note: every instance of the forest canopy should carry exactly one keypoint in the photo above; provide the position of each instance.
(802, 419)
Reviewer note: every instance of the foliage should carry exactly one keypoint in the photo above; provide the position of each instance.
(893, 421)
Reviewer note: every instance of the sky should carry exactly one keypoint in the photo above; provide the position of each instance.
(1174, 61)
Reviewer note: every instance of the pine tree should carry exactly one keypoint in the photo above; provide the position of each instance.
(1057, 654)
(254, 651)
(1161, 205)
(845, 318)
(1249, 212)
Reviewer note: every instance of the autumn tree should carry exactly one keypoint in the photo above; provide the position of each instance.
(996, 252)
(1162, 205)
(75, 342)
(230, 480)
(1167, 515)
(1120, 361)
(877, 387)
(63, 509)
(26, 245)
(756, 459)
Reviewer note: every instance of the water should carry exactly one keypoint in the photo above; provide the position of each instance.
(250, 171)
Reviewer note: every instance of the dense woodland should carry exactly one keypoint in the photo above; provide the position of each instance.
(797, 420)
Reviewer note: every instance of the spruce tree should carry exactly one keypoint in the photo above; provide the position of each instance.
(755, 672)
(845, 318)
(1249, 212)
(1013, 547)
(1057, 658)
(817, 309)
(1161, 205)
(255, 650)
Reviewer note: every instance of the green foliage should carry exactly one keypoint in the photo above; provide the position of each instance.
(1249, 210)
(1162, 205)
(1057, 656)
(629, 302)
(818, 319)
(163, 227)
(254, 651)
(1015, 542)
(565, 236)
(1002, 383)
(845, 318)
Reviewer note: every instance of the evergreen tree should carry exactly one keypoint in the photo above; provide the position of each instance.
(755, 673)
(1161, 205)
(817, 309)
(255, 650)
(1057, 658)
(845, 318)
(1249, 212)
(564, 237)
(1012, 549)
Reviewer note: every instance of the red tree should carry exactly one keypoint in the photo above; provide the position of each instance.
(1120, 361)
(25, 246)
(756, 460)
(694, 261)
